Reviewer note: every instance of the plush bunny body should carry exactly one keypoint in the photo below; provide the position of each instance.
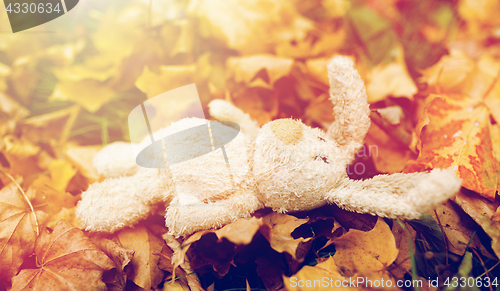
(285, 165)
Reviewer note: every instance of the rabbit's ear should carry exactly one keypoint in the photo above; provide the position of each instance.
(351, 110)
(115, 160)
(225, 111)
(404, 196)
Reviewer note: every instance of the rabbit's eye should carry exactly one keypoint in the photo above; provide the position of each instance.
(321, 139)
(321, 158)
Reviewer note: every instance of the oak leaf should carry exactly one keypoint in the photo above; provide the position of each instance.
(67, 260)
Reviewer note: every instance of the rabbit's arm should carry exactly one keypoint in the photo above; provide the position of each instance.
(404, 196)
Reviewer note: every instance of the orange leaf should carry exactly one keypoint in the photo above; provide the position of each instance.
(458, 136)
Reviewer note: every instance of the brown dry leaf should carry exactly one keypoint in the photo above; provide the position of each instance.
(145, 271)
(371, 251)
(482, 211)
(248, 69)
(115, 279)
(279, 233)
(68, 261)
(17, 230)
(457, 227)
(458, 137)
(403, 238)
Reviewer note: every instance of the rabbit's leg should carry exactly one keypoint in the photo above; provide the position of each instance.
(186, 215)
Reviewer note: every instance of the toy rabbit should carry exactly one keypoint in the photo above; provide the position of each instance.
(285, 165)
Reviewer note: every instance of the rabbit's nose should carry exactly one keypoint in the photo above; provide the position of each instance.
(287, 130)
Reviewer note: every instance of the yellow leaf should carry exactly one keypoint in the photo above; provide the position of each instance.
(90, 94)
(479, 12)
(279, 233)
(390, 80)
(4, 72)
(245, 69)
(168, 78)
(240, 232)
(312, 278)
(246, 25)
(450, 71)
(61, 172)
(81, 157)
(371, 251)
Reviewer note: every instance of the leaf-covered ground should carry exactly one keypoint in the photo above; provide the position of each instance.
(431, 69)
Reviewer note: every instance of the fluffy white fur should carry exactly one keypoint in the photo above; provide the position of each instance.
(285, 165)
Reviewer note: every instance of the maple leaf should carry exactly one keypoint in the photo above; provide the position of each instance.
(458, 136)
(67, 260)
(18, 230)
